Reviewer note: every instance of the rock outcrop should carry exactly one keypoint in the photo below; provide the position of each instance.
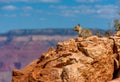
(94, 59)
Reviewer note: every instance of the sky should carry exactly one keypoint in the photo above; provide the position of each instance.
(40, 14)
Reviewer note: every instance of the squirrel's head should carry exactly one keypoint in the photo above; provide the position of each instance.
(116, 21)
(77, 28)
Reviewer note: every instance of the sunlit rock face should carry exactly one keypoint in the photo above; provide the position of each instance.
(94, 59)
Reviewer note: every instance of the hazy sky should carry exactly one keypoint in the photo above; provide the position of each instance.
(35, 14)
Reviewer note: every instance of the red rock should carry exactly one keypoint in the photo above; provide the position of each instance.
(75, 60)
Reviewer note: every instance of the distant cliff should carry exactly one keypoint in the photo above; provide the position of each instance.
(19, 47)
(25, 32)
(26, 35)
(35, 34)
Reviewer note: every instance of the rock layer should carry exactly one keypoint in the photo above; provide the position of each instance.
(75, 60)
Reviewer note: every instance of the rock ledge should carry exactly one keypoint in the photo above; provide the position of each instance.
(94, 59)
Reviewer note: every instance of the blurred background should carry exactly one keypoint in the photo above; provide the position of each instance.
(30, 27)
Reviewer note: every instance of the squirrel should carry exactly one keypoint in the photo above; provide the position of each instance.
(82, 32)
(117, 25)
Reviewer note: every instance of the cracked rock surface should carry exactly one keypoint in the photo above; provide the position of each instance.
(76, 60)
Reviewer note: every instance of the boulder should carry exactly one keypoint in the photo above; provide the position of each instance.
(76, 60)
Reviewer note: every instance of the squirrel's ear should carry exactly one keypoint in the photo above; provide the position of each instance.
(78, 24)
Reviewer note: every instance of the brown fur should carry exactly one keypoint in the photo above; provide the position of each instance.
(82, 32)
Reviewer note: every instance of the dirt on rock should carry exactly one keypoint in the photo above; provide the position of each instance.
(94, 59)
